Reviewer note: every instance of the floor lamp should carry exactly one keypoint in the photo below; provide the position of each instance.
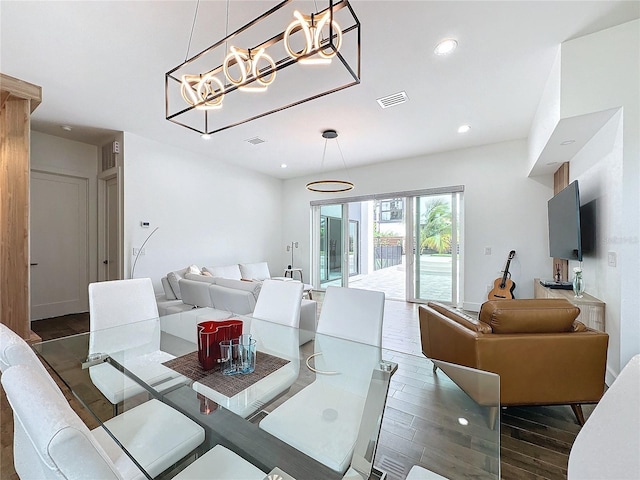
(133, 269)
(290, 248)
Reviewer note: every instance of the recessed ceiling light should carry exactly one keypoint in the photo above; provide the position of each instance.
(66, 128)
(464, 128)
(567, 142)
(446, 46)
(205, 136)
(283, 165)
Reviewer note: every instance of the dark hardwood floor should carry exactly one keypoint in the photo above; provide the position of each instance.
(421, 421)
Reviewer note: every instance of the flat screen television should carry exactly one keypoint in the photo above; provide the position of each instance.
(565, 239)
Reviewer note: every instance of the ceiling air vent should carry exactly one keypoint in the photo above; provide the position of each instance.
(393, 99)
(256, 141)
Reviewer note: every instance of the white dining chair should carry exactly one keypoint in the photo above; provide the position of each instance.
(52, 442)
(346, 352)
(126, 304)
(273, 329)
(279, 302)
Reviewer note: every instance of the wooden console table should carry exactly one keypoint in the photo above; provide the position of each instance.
(591, 309)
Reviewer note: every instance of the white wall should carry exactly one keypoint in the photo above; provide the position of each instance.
(602, 71)
(208, 212)
(504, 209)
(66, 157)
(598, 169)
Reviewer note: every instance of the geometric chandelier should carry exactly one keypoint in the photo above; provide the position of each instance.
(289, 55)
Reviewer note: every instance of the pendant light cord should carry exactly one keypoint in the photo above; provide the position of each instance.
(344, 163)
(193, 26)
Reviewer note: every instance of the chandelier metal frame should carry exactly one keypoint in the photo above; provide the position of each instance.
(207, 96)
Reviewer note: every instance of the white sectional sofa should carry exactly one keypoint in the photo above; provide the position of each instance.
(233, 288)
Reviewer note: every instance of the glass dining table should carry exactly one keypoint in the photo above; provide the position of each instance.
(133, 359)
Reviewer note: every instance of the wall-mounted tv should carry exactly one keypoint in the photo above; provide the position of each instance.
(565, 240)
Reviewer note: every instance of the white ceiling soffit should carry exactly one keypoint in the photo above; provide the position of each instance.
(568, 138)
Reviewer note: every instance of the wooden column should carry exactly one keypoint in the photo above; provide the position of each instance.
(560, 181)
(18, 99)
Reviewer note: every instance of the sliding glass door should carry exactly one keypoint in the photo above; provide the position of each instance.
(436, 247)
(406, 245)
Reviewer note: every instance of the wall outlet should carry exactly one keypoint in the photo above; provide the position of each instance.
(487, 250)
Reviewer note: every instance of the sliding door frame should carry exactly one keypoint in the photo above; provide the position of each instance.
(410, 242)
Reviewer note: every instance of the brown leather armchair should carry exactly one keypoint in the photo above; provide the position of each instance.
(542, 354)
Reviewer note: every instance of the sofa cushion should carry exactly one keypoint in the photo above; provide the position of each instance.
(168, 291)
(253, 287)
(174, 278)
(200, 278)
(226, 271)
(460, 317)
(255, 271)
(529, 315)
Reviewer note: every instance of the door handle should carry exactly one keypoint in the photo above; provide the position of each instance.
(106, 262)
(33, 264)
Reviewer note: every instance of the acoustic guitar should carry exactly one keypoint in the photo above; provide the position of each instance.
(503, 287)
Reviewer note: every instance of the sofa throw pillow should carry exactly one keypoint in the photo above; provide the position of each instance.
(174, 278)
(194, 269)
(226, 271)
(255, 271)
(168, 291)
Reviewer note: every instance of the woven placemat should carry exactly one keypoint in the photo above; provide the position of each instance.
(227, 385)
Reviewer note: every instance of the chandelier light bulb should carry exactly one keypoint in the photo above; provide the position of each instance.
(204, 92)
(311, 27)
(247, 62)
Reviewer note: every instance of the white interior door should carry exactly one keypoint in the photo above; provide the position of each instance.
(59, 245)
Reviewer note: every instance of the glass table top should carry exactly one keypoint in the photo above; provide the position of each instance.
(132, 363)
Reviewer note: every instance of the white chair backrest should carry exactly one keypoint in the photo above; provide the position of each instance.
(279, 302)
(121, 302)
(15, 351)
(352, 314)
(50, 440)
(8, 341)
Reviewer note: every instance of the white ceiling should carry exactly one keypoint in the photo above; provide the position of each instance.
(102, 63)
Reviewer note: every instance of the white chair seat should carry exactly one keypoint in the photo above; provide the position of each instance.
(143, 431)
(321, 421)
(277, 340)
(257, 395)
(220, 463)
(419, 473)
(116, 386)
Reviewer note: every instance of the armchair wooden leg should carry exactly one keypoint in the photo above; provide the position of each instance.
(577, 411)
